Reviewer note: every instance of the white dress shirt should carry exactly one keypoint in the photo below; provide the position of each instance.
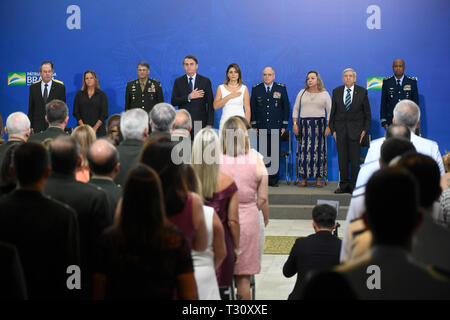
(352, 89)
(48, 87)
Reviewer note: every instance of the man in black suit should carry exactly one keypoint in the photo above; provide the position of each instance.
(134, 129)
(57, 116)
(44, 231)
(104, 163)
(89, 201)
(319, 250)
(41, 92)
(349, 122)
(18, 131)
(193, 92)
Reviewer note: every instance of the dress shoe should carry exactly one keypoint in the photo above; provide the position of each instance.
(276, 184)
(339, 190)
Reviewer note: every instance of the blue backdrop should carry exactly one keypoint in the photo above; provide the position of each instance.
(293, 36)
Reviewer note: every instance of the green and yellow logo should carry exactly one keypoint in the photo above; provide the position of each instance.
(374, 83)
(17, 79)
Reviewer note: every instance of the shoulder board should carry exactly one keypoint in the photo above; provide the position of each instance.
(154, 80)
(387, 78)
(58, 81)
(257, 84)
(412, 78)
(37, 81)
(280, 84)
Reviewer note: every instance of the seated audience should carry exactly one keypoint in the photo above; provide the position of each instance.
(162, 117)
(317, 251)
(57, 116)
(113, 129)
(11, 274)
(85, 136)
(44, 231)
(18, 131)
(143, 256)
(8, 180)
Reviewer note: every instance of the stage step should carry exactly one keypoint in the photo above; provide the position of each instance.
(292, 202)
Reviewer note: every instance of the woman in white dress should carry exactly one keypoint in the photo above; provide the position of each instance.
(232, 96)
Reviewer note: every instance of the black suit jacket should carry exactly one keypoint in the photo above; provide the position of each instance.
(200, 109)
(354, 121)
(45, 233)
(49, 133)
(113, 192)
(129, 151)
(317, 251)
(12, 277)
(5, 146)
(36, 105)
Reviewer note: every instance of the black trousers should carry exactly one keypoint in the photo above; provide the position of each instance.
(274, 177)
(348, 152)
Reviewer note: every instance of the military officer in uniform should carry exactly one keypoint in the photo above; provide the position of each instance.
(270, 110)
(396, 88)
(143, 92)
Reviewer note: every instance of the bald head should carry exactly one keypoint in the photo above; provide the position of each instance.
(103, 158)
(183, 120)
(268, 75)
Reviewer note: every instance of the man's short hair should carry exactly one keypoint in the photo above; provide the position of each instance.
(427, 173)
(46, 62)
(398, 130)
(162, 117)
(133, 124)
(186, 124)
(324, 216)
(56, 111)
(64, 151)
(106, 167)
(394, 147)
(407, 113)
(17, 123)
(143, 64)
(30, 171)
(191, 57)
(349, 69)
(392, 205)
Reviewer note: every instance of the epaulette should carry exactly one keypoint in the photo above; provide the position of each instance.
(58, 81)
(280, 84)
(387, 78)
(37, 81)
(412, 78)
(257, 84)
(153, 79)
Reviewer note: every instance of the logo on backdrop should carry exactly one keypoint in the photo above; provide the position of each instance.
(374, 83)
(24, 78)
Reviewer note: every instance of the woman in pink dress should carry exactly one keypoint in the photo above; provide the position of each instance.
(250, 175)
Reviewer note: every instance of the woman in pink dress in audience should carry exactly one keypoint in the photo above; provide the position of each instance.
(85, 136)
(220, 192)
(250, 175)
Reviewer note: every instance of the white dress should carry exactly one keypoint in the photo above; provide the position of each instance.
(204, 271)
(233, 107)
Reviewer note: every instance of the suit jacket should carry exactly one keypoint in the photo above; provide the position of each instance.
(113, 192)
(319, 250)
(200, 109)
(5, 146)
(45, 233)
(49, 133)
(12, 277)
(129, 151)
(92, 207)
(36, 105)
(354, 121)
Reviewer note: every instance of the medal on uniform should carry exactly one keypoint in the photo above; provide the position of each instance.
(276, 95)
(152, 89)
(407, 87)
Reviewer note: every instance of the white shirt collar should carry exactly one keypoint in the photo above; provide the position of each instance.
(49, 84)
(401, 79)
(351, 89)
(266, 86)
(193, 77)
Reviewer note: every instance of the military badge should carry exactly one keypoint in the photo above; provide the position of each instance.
(407, 87)
(276, 95)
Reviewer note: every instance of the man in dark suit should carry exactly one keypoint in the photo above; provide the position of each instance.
(270, 110)
(319, 250)
(89, 201)
(134, 129)
(104, 163)
(349, 122)
(44, 231)
(18, 131)
(42, 91)
(143, 92)
(396, 88)
(57, 116)
(193, 92)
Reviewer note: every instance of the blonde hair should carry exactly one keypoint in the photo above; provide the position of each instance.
(207, 169)
(97, 85)
(319, 81)
(234, 134)
(85, 136)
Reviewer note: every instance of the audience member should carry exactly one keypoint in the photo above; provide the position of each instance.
(206, 262)
(44, 231)
(220, 192)
(162, 117)
(12, 277)
(85, 136)
(18, 131)
(389, 272)
(250, 175)
(134, 129)
(89, 201)
(183, 124)
(57, 116)
(104, 164)
(8, 180)
(317, 251)
(143, 256)
(113, 129)
(183, 208)
(407, 113)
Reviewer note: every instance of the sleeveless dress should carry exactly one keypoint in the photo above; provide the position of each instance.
(234, 107)
(183, 220)
(220, 202)
(205, 273)
(243, 170)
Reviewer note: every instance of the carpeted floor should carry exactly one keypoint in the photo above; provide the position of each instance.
(279, 244)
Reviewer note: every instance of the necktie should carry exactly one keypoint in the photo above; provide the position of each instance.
(348, 100)
(268, 90)
(45, 93)
(398, 83)
(191, 85)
